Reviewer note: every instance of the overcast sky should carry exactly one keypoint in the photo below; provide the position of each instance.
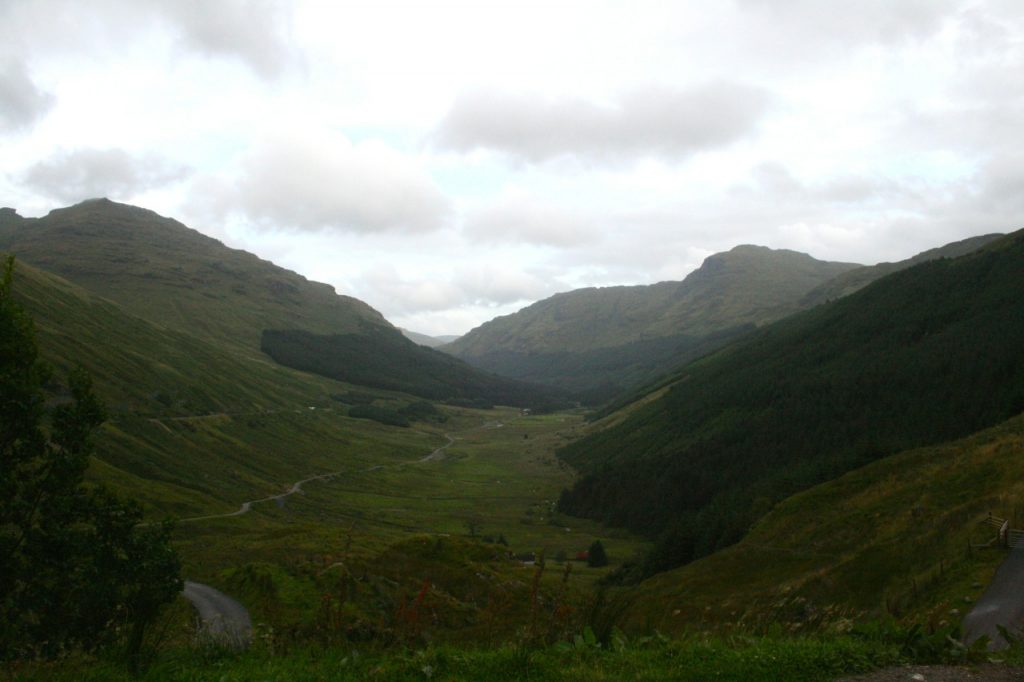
(448, 162)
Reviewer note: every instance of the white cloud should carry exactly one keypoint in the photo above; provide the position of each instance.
(71, 176)
(320, 180)
(411, 295)
(495, 284)
(518, 217)
(803, 24)
(653, 121)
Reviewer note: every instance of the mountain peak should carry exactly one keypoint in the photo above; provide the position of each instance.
(108, 208)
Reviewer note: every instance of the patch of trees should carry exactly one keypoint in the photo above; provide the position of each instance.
(926, 355)
(377, 413)
(423, 411)
(596, 556)
(384, 358)
(77, 565)
(419, 410)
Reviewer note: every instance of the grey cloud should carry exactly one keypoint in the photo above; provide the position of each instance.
(802, 24)
(22, 103)
(251, 30)
(660, 122)
(313, 184)
(255, 32)
(85, 173)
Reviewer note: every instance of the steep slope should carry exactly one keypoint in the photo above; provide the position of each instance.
(194, 426)
(887, 539)
(858, 278)
(612, 337)
(141, 368)
(174, 277)
(922, 356)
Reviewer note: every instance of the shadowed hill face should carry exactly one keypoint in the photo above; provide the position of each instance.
(171, 275)
(887, 539)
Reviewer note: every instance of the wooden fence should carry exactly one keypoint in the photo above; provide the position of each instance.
(1006, 537)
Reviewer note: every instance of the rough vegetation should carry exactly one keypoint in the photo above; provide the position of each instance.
(426, 542)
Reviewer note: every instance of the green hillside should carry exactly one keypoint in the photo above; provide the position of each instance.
(175, 278)
(923, 356)
(598, 341)
(141, 368)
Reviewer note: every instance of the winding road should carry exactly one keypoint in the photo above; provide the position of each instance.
(222, 618)
(297, 486)
(1002, 603)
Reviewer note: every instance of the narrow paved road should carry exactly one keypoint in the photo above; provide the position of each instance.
(297, 486)
(247, 506)
(221, 618)
(1001, 604)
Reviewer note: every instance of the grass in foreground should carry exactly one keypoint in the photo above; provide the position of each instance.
(650, 658)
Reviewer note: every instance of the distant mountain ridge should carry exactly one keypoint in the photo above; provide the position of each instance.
(858, 278)
(615, 336)
(426, 340)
